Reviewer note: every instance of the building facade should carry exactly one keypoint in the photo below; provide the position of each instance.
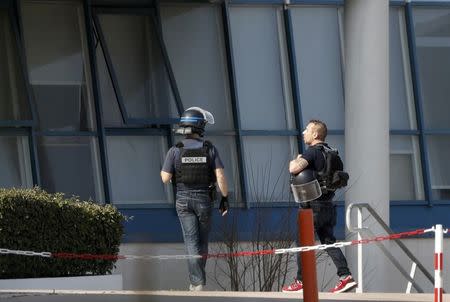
(90, 90)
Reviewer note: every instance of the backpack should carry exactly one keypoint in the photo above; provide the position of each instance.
(332, 176)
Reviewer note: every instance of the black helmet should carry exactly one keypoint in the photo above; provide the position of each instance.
(305, 186)
(194, 119)
(304, 177)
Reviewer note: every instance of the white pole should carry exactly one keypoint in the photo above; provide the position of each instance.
(438, 265)
(359, 289)
(411, 274)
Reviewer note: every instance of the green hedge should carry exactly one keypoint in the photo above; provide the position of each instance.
(34, 220)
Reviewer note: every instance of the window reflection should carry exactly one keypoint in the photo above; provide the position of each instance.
(13, 103)
(15, 162)
(432, 28)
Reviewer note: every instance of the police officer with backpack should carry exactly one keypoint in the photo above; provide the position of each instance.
(312, 164)
(194, 166)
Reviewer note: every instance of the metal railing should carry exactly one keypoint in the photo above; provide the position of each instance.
(366, 231)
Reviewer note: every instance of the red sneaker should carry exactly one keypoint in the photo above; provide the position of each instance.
(344, 285)
(296, 286)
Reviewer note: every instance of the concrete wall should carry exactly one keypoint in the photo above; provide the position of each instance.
(108, 282)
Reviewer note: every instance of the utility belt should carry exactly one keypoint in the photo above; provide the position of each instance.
(210, 190)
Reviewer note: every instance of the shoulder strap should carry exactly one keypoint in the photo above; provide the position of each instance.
(209, 147)
(319, 146)
(322, 147)
(207, 143)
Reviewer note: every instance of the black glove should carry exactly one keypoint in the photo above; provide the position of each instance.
(223, 207)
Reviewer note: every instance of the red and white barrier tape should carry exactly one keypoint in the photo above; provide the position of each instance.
(220, 255)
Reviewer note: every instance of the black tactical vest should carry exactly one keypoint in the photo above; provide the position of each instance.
(194, 166)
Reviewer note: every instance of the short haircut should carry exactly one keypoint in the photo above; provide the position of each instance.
(321, 129)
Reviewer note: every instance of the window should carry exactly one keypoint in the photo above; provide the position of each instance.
(13, 103)
(134, 166)
(401, 100)
(264, 99)
(405, 169)
(142, 87)
(266, 165)
(196, 48)
(57, 71)
(68, 165)
(55, 46)
(433, 51)
(317, 50)
(262, 76)
(438, 150)
(406, 180)
(15, 162)
(195, 44)
(14, 109)
(432, 29)
(67, 100)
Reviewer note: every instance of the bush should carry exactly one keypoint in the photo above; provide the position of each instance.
(34, 220)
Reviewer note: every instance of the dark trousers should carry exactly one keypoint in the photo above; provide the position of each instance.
(324, 213)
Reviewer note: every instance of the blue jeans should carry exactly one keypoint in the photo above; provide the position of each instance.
(194, 211)
(324, 213)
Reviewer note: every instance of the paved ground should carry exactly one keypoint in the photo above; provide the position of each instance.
(182, 296)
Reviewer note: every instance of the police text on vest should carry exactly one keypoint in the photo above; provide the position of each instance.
(193, 160)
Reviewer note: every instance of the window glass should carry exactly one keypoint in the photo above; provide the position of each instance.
(406, 181)
(70, 165)
(402, 110)
(134, 165)
(267, 167)
(139, 67)
(198, 58)
(55, 48)
(432, 29)
(318, 55)
(66, 103)
(438, 150)
(262, 76)
(13, 104)
(112, 117)
(196, 48)
(15, 162)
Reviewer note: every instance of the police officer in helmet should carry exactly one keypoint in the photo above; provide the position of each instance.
(194, 166)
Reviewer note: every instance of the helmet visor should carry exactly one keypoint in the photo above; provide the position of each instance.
(306, 192)
(206, 114)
